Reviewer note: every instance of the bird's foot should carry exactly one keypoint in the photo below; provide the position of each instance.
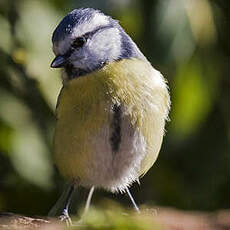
(65, 217)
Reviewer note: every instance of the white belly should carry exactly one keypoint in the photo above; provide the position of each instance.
(115, 170)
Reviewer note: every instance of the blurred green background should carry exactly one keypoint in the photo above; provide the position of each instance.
(188, 41)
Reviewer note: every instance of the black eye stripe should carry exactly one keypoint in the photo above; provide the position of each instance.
(86, 36)
(79, 42)
(91, 33)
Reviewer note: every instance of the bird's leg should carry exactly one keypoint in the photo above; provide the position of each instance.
(65, 213)
(88, 201)
(132, 200)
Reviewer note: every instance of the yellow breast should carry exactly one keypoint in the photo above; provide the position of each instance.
(81, 112)
(85, 108)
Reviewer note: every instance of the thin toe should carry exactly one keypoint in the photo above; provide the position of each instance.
(67, 219)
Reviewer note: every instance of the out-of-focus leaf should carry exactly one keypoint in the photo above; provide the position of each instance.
(29, 154)
(36, 37)
(19, 56)
(201, 21)
(193, 94)
(5, 40)
(30, 157)
(5, 136)
(173, 31)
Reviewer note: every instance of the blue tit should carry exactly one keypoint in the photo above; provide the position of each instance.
(112, 108)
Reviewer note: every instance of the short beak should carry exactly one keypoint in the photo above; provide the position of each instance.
(58, 62)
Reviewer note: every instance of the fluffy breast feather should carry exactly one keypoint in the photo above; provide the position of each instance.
(144, 93)
(85, 109)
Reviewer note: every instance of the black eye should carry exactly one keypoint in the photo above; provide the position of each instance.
(79, 42)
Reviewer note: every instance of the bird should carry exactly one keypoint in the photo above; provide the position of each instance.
(112, 108)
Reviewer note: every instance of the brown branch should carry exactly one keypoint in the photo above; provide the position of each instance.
(13, 221)
(169, 219)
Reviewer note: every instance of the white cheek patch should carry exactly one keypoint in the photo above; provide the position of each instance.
(87, 26)
(110, 48)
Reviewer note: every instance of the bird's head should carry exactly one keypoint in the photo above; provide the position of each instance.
(86, 39)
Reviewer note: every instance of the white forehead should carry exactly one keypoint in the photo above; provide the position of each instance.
(89, 24)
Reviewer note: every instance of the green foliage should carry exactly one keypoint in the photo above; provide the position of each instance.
(194, 95)
(112, 216)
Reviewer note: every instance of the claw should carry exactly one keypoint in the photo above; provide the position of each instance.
(65, 217)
